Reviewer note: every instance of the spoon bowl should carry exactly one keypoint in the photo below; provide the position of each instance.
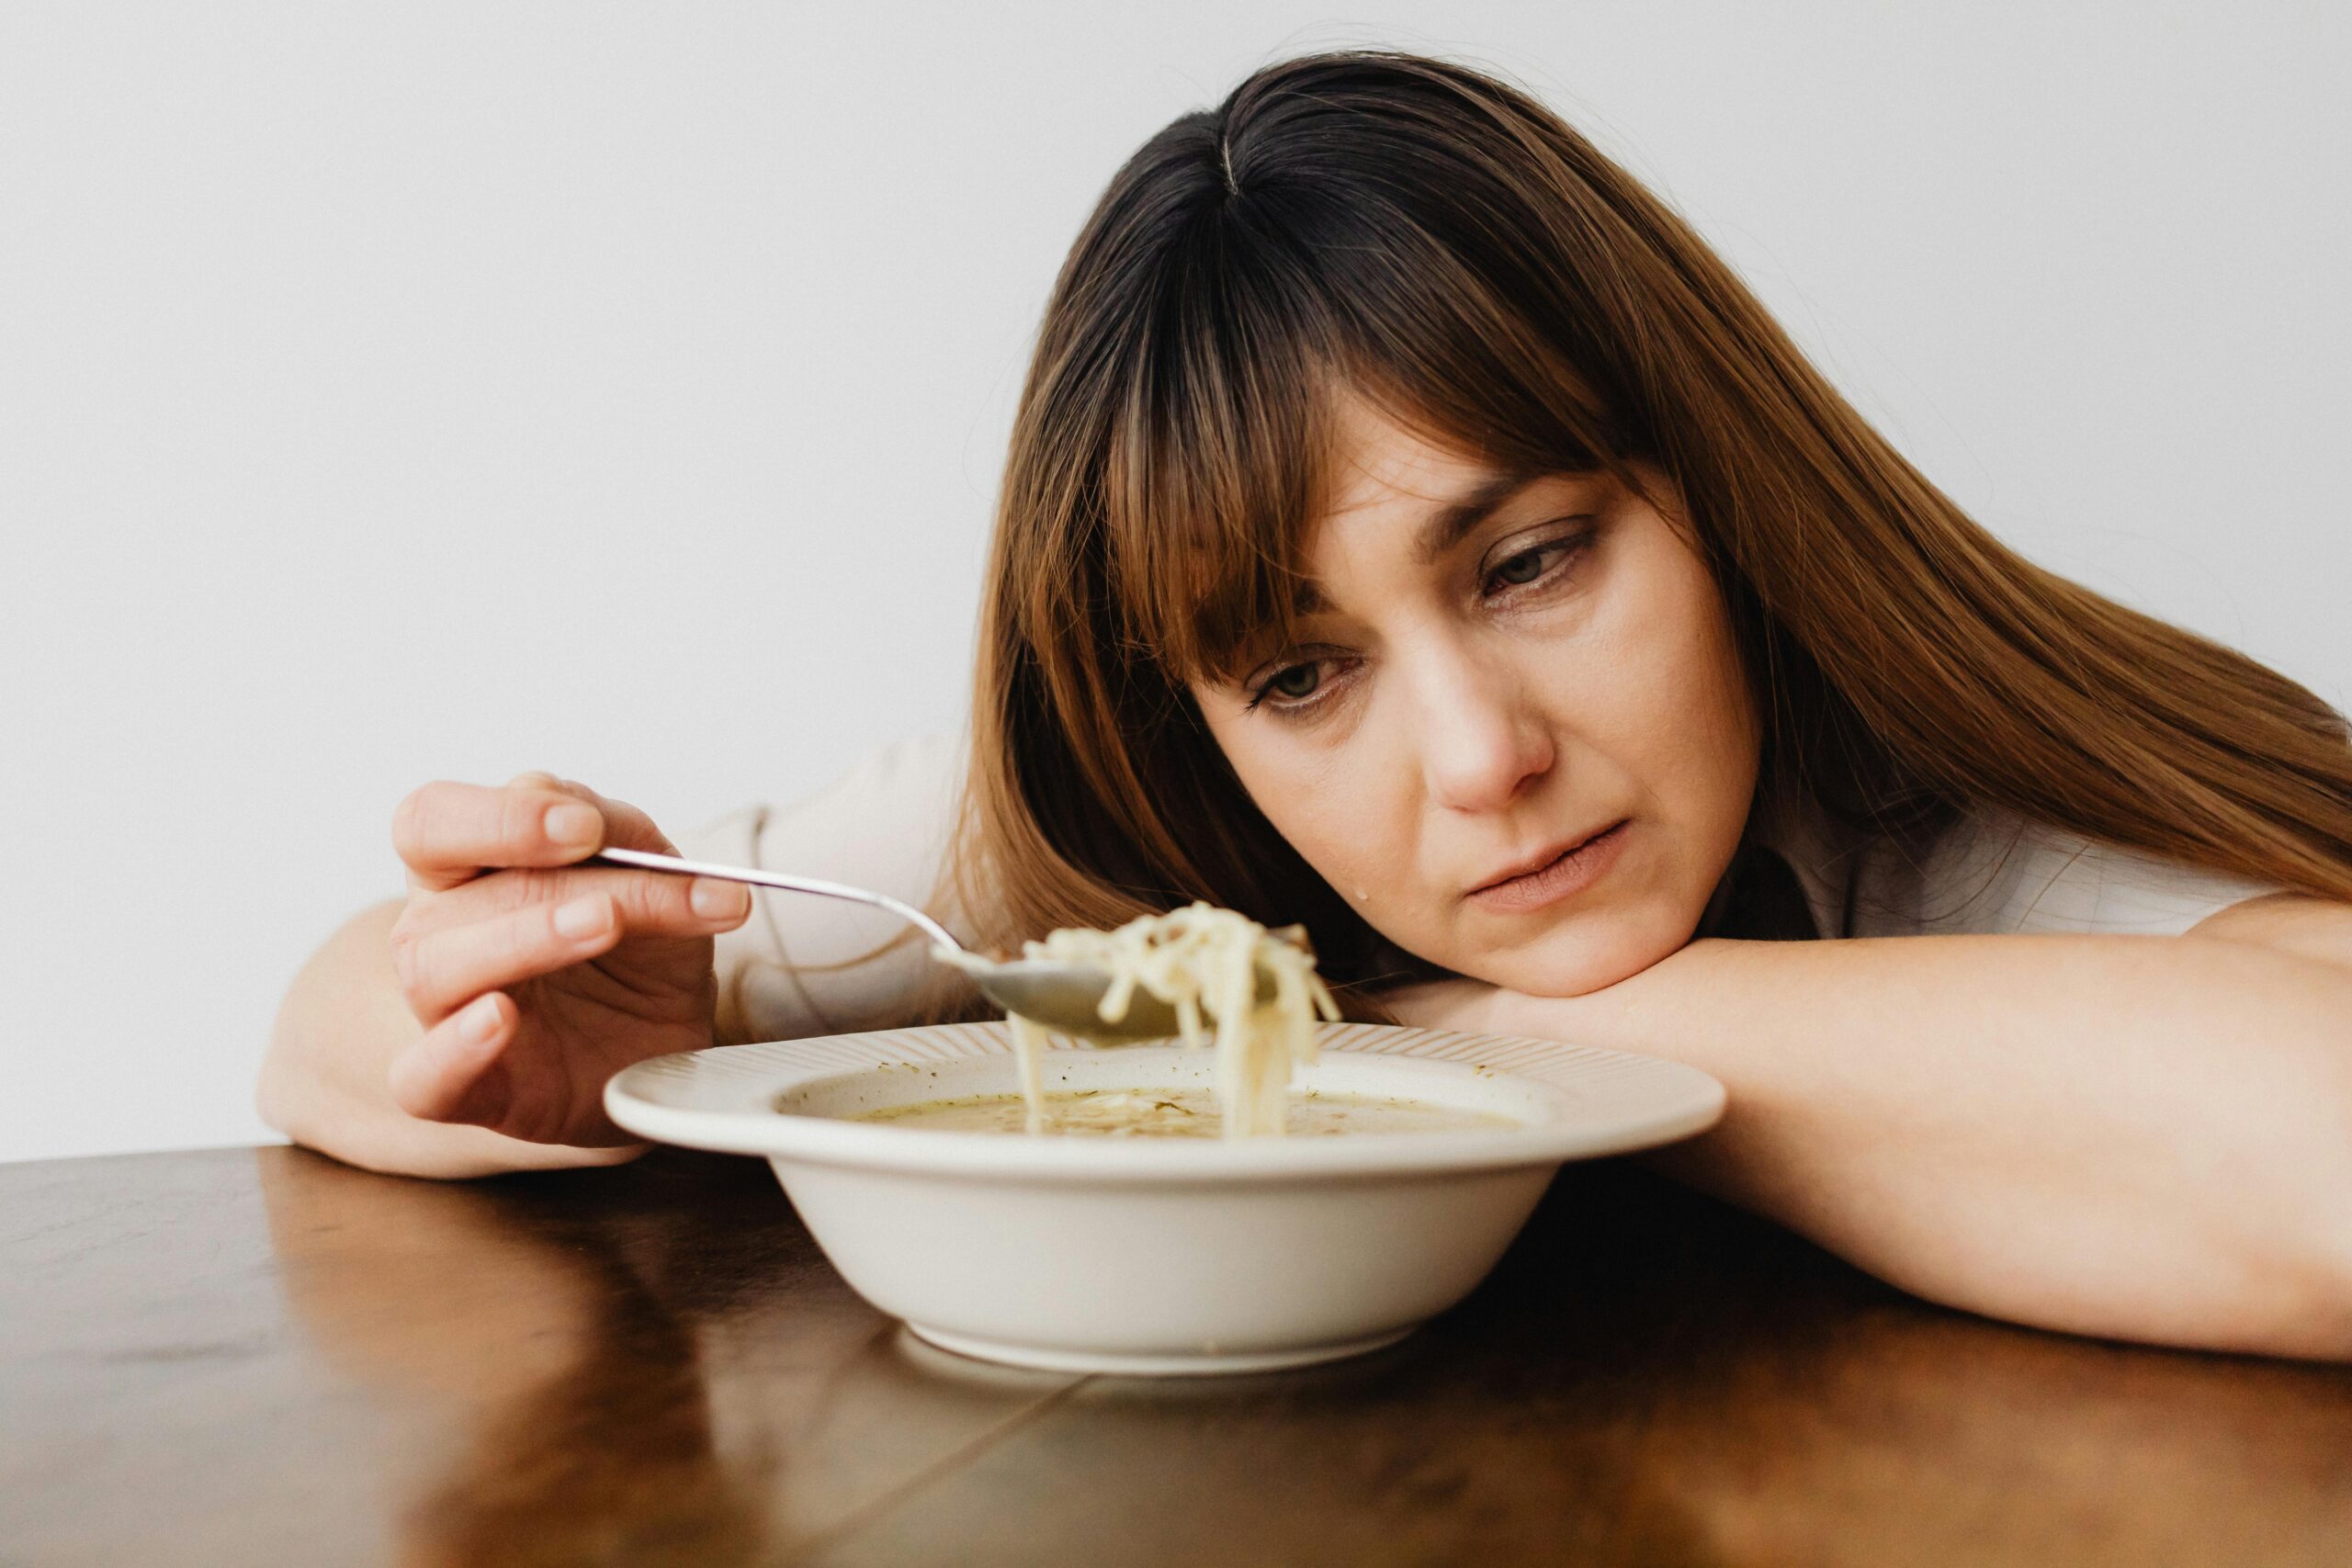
(1067, 998)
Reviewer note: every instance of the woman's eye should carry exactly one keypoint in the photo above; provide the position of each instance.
(1316, 679)
(1294, 686)
(1298, 681)
(1524, 567)
(1532, 564)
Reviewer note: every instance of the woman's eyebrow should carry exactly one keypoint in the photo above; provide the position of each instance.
(1447, 525)
(1441, 530)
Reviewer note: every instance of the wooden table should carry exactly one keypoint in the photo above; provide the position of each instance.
(258, 1356)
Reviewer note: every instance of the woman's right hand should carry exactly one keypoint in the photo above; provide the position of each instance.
(536, 978)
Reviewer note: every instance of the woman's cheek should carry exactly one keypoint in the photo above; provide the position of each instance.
(1356, 861)
(1356, 843)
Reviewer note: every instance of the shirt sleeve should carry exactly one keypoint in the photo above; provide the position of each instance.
(803, 965)
(2000, 874)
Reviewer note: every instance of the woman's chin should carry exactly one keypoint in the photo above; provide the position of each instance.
(1573, 964)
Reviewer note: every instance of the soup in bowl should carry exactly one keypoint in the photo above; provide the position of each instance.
(1415, 1157)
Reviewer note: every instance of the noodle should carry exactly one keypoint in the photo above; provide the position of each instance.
(1203, 962)
(1028, 1041)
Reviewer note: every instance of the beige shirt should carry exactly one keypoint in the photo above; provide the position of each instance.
(808, 965)
(804, 965)
(1991, 873)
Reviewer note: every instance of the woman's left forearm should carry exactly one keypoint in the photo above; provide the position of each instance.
(2144, 1137)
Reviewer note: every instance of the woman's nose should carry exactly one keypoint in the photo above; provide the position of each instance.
(1480, 745)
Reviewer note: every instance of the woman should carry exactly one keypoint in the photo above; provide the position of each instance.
(1412, 529)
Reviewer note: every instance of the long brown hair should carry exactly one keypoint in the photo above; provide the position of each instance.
(1436, 242)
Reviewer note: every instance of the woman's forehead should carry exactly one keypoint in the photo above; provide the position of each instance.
(1404, 484)
(1230, 563)
(1378, 460)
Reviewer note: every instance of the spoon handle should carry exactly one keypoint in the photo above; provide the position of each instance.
(645, 860)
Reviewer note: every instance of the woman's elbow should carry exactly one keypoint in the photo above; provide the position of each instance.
(2264, 1223)
(2266, 1269)
(2308, 1260)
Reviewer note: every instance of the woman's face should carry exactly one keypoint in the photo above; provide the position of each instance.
(1514, 730)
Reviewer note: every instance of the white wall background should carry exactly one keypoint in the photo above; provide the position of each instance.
(393, 392)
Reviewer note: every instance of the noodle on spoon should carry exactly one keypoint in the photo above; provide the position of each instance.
(1203, 963)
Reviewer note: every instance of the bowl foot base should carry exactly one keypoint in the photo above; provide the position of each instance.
(1172, 1364)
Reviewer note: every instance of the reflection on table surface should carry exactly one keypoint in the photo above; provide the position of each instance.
(246, 1356)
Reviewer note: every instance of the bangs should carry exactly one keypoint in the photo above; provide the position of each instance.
(1225, 441)
(1209, 506)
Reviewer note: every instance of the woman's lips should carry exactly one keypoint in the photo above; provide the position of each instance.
(1565, 876)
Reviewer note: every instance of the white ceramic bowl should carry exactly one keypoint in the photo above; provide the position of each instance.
(1160, 1255)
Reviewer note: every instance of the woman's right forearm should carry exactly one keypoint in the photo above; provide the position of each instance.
(324, 1082)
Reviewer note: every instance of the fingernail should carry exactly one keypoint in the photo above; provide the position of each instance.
(581, 919)
(572, 823)
(480, 1020)
(715, 900)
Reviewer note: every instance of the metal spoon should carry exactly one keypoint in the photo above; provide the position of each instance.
(1062, 996)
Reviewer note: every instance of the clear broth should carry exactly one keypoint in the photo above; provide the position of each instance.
(1181, 1113)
